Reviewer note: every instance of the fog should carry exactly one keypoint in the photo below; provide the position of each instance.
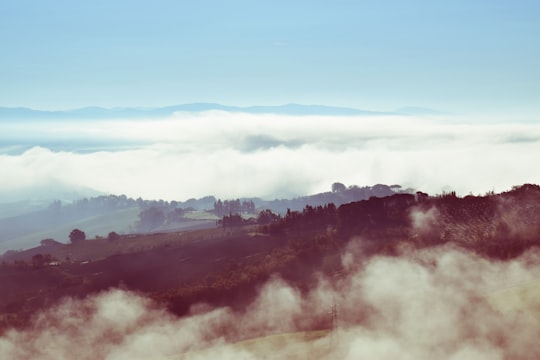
(438, 303)
(237, 154)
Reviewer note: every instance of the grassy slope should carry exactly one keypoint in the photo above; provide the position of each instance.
(96, 249)
(8, 210)
(119, 221)
(178, 269)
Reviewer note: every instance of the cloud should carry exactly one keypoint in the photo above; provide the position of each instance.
(439, 303)
(235, 154)
(425, 222)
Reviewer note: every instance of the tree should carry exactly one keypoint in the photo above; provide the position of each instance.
(218, 208)
(76, 235)
(248, 207)
(267, 217)
(151, 218)
(338, 187)
(113, 235)
(232, 221)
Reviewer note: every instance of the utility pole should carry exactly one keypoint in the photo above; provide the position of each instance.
(334, 329)
(334, 316)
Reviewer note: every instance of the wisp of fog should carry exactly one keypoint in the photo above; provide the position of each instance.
(437, 303)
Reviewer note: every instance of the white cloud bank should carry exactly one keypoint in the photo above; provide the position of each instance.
(431, 304)
(234, 154)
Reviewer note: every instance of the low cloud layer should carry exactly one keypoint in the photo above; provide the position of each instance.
(234, 154)
(439, 303)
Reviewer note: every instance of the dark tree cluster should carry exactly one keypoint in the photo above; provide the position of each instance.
(267, 217)
(375, 214)
(76, 236)
(311, 218)
(230, 221)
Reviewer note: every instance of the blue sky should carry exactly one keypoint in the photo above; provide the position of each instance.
(471, 57)
(475, 60)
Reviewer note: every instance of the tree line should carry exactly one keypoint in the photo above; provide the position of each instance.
(233, 207)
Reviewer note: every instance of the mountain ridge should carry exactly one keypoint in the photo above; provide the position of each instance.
(96, 112)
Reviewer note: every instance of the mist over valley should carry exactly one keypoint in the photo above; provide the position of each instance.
(232, 154)
(211, 231)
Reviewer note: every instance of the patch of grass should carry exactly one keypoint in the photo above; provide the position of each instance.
(200, 215)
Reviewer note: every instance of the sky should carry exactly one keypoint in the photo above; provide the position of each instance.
(476, 62)
(467, 57)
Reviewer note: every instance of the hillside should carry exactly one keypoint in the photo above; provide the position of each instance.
(99, 215)
(225, 266)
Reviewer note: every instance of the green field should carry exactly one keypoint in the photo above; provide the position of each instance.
(120, 221)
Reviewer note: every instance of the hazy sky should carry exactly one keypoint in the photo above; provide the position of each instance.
(475, 60)
(461, 56)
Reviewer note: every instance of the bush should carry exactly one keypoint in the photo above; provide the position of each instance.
(113, 236)
(77, 235)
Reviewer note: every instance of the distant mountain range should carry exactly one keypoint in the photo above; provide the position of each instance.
(22, 113)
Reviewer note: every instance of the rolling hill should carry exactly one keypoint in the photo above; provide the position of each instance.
(225, 266)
